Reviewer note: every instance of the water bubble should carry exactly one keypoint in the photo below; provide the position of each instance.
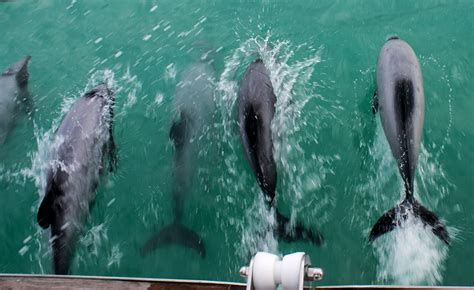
(23, 250)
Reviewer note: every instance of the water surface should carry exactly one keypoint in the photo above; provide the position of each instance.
(335, 170)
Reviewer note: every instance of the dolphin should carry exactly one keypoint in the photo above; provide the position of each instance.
(400, 101)
(80, 146)
(256, 110)
(194, 105)
(14, 96)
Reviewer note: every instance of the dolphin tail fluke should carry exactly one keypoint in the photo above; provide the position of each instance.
(430, 219)
(175, 234)
(385, 224)
(399, 213)
(300, 233)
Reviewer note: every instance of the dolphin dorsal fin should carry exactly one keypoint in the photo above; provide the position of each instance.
(20, 70)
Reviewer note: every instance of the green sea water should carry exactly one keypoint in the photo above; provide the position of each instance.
(335, 169)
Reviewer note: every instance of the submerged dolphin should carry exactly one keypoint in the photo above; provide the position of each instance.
(194, 105)
(400, 101)
(256, 110)
(77, 159)
(14, 96)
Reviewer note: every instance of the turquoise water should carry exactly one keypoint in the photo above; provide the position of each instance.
(335, 170)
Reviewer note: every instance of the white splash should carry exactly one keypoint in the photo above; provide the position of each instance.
(410, 255)
(257, 235)
(152, 108)
(114, 257)
(170, 72)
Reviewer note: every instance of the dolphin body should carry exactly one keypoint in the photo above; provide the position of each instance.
(400, 101)
(14, 96)
(77, 159)
(194, 105)
(256, 110)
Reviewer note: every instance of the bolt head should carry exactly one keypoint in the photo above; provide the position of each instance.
(244, 272)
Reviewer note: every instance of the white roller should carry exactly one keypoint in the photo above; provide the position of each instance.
(267, 271)
(263, 271)
(292, 271)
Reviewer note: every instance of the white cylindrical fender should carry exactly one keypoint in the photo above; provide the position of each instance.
(293, 270)
(263, 272)
(267, 271)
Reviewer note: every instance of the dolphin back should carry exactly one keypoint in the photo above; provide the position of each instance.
(256, 110)
(401, 104)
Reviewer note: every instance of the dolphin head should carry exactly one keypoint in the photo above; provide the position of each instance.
(259, 66)
(101, 91)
